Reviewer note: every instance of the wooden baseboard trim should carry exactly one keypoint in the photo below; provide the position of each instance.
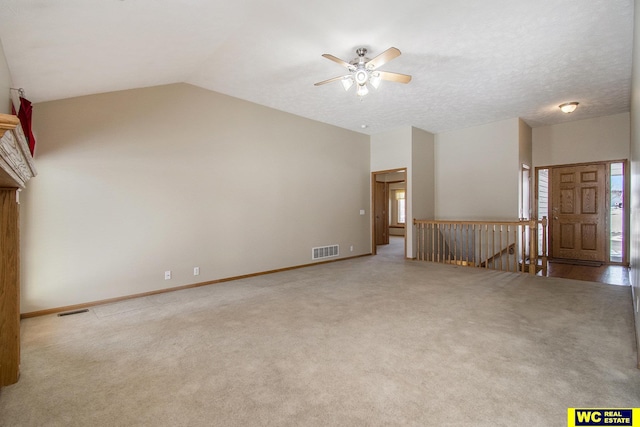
(177, 288)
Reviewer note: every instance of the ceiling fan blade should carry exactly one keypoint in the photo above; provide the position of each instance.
(383, 58)
(394, 77)
(339, 61)
(324, 82)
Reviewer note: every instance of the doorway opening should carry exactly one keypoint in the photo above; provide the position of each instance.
(389, 221)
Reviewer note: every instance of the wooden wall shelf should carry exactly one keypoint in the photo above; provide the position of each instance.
(16, 163)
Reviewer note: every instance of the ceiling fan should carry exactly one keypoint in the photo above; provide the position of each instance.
(364, 71)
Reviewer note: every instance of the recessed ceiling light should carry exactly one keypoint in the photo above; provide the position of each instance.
(364, 126)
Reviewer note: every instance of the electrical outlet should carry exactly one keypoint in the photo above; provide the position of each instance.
(351, 248)
(167, 275)
(196, 271)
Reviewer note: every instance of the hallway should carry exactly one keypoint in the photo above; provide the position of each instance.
(395, 248)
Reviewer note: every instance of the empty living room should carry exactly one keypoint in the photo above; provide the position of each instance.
(422, 213)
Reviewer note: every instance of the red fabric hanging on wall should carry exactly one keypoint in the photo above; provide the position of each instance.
(25, 120)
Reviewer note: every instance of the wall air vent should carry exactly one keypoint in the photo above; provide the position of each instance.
(325, 252)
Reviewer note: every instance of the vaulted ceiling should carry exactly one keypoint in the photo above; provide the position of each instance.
(472, 62)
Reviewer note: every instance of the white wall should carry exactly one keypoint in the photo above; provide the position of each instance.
(635, 176)
(526, 158)
(137, 182)
(582, 141)
(423, 172)
(391, 150)
(5, 83)
(526, 143)
(477, 172)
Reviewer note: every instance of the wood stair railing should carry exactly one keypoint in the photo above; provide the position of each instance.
(517, 246)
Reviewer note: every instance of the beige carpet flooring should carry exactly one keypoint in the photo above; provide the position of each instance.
(373, 341)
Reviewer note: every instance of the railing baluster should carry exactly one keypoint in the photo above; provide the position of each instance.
(496, 229)
(507, 248)
(438, 242)
(426, 243)
(515, 248)
(419, 250)
(508, 231)
(466, 258)
(521, 248)
(451, 244)
(431, 248)
(510, 258)
(455, 244)
(421, 242)
(425, 251)
(500, 257)
(533, 256)
(417, 233)
(448, 249)
(486, 254)
(469, 243)
(478, 261)
(514, 235)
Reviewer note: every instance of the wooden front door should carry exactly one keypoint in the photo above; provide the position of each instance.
(578, 212)
(380, 212)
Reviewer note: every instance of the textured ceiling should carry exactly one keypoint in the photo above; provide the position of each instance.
(472, 62)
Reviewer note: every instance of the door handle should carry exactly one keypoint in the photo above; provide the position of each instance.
(555, 217)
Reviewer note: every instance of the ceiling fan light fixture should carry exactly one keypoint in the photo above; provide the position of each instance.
(361, 77)
(347, 82)
(364, 71)
(375, 80)
(568, 107)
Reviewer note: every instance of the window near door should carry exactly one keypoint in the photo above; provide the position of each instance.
(543, 201)
(397, 211)
(401, 206)
(616, 213)
(525, 208)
